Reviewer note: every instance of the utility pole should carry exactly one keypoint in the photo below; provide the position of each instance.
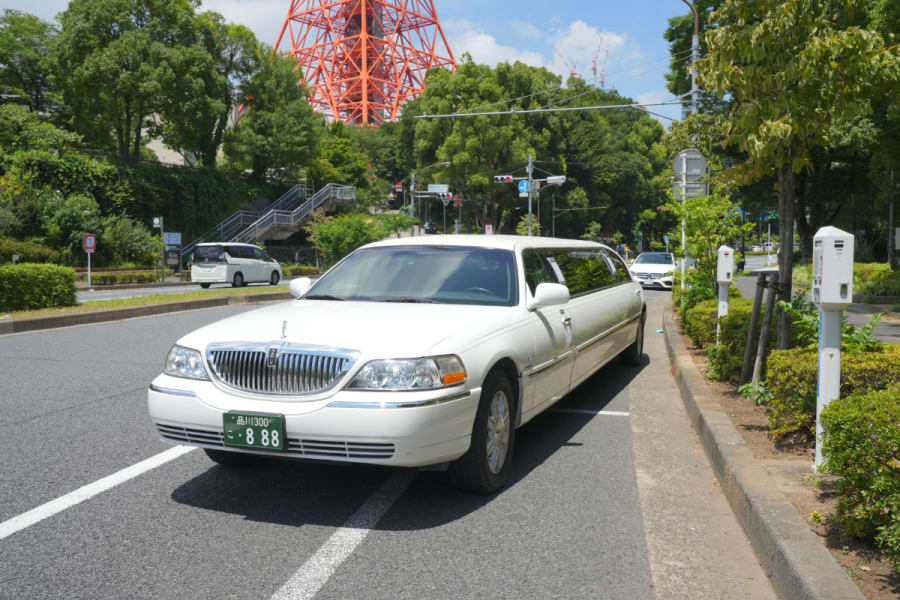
(892, 232)
(683, 219)
(412, 202)
(695, 55)
(530, 188)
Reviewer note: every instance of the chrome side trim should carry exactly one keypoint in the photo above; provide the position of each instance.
(172, 392)
(609, 331)
(415, 404)
(547, 366)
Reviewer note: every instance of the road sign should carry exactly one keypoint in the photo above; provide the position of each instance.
(172, 239)
(524, 186)
(438, 188)
(666, 239)
(89, 242)
(157, 222)
(173, 256)
(398, 187)
(489, 229)
(690, 167)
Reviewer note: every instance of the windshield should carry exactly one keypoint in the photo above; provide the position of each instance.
(428, 274)
(654, 258)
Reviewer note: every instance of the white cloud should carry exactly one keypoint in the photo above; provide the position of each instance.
(264, 17)
(465, 36)
(580, 44)
(526, 30)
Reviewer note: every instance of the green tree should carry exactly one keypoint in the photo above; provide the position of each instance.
(206, 82)
(336, 237)
(680, 35)
(26, 60)
(279, 129)
(796, 69)
(66, 221)
(116, 59)
(21, 129)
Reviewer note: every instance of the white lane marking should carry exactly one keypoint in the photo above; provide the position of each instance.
(582, 411)
(315, 572)
(35, 515)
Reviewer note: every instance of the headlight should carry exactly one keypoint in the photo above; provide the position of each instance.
(410, 374)
(185, 362)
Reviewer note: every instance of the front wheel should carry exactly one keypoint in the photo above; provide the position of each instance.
(484, 468)
(230, 459)
(205, 286)
(274, 278)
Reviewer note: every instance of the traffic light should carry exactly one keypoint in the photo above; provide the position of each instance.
(503, 178)
(444, 196)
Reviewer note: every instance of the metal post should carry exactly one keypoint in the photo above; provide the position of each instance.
(723, 308)
(695, 55)
(162, 233)
(892, 232)
(829, 369)
(445, 216)
(89, 269)
(530, 188)
(553, 217)
(412, 202)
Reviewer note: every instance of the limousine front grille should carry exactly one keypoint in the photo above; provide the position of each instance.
(296, 447)
(279, 368)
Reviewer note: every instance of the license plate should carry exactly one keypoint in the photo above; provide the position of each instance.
(254, 430)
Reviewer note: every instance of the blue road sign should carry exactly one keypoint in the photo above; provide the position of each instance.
(523, 186)
(666, 239)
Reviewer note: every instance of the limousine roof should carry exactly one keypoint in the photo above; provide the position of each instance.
(505, 242)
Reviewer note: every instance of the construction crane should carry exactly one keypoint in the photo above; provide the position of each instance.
(600, 73)
(573, 68)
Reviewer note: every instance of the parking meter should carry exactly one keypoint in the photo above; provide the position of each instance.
(724, 277)
(832, 291)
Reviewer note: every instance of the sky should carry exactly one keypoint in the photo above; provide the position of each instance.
(494, 31)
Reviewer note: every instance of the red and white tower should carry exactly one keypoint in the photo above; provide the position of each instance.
(364, 59)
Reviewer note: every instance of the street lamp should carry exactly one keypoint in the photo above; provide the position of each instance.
(412, 192)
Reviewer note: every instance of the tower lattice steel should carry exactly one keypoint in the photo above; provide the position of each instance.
(364, 59)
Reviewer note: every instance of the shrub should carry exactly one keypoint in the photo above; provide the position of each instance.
(721, 362)
(30, 286)
(793, 380)
(862, 446)
(104, 279)
(888, 285)
(700, 323)
(29, 251)
(300, 271)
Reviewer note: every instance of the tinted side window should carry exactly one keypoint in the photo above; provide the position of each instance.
(536, 271)
(621, 271)
(208, 253)
(258, 254)
(584, 270)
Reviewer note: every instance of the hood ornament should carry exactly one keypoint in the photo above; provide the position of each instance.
(284, 330)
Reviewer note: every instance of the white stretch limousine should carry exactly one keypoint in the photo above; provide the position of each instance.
(412, 352)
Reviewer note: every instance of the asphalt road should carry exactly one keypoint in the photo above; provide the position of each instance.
(610, 496)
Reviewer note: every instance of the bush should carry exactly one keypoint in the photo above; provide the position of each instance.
(700, 322)
(861, 444)
(721, 362)
(889, 285)
(31, 286)
(793, 380)
(29, 251)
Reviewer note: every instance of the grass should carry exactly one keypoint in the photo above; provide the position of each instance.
(101, 305)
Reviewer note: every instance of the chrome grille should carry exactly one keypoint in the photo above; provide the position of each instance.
(279, 368)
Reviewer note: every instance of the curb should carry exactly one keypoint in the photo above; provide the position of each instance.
(118, 314)
(797, 563)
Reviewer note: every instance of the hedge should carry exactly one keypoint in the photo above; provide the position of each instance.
(29, 251)
(31, 286)
(123, 278)
(886, 286)
(861, 444)
(793, 380)
(300, 271)
(700, 321)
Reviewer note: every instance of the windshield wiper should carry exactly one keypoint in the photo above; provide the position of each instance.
(322, 297)
(413, 300)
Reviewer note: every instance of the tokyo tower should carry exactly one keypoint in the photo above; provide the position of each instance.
(362, 60)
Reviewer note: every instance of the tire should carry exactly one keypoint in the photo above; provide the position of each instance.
(205, 286)
(275, 278)
(230, 459)
(485, 466)
(633, 355)
(238, 280)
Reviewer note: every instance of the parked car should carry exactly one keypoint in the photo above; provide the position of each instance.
(756, 249)
(409, 352)
(238, 264)
(430, 227)
(655, 269)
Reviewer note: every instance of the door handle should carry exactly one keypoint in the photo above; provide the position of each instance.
(567, 320)
(638, 292)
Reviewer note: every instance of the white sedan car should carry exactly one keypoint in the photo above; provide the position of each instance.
(413, 352)
(655, 269)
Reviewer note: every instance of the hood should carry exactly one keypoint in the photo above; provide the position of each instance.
(375, 329)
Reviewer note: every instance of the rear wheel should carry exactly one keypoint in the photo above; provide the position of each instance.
(634, 354)
(484, 468)
(230, 459)
(238, 280)
(205, 286)
(274, 278)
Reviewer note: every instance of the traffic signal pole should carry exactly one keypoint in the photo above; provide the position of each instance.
(530, 188)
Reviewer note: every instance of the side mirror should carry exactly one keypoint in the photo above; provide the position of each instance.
(300, 286)
(549, 294)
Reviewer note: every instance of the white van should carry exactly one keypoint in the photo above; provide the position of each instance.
(237, 264)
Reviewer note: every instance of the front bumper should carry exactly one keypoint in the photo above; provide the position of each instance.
(406, 429)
